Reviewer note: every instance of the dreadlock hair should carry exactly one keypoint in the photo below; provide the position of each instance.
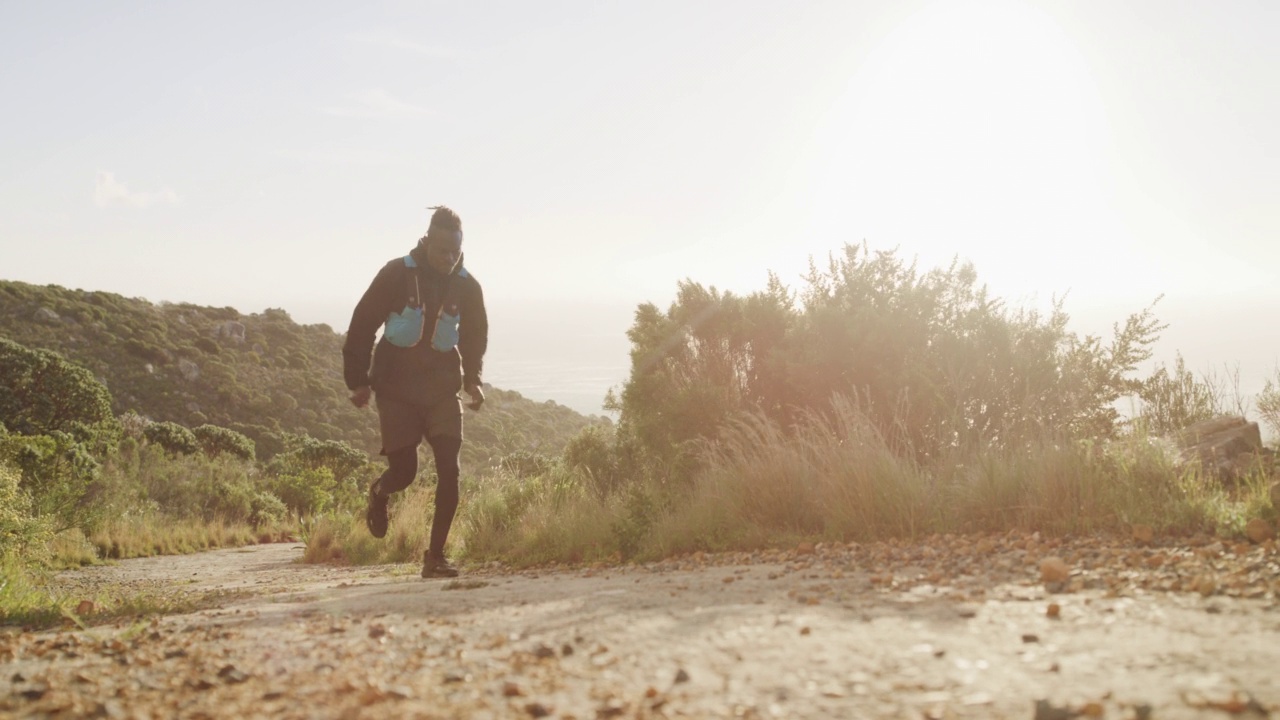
(444, 219)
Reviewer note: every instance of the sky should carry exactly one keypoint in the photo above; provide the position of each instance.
(262, 155)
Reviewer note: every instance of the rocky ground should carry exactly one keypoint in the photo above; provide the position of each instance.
(950, 627)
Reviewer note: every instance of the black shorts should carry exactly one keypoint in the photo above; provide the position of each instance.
(405, 424)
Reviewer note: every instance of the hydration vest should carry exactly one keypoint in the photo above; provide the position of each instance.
(406, 328)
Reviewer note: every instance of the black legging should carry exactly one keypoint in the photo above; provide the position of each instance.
(402, 468)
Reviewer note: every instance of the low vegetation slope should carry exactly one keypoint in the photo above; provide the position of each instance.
(260, 374)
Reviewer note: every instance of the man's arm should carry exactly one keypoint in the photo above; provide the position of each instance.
(369, 314)
(473, 340)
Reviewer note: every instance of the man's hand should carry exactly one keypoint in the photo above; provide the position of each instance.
(360, 396)
(477, 396)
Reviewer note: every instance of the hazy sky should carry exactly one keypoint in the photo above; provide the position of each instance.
(277, 154)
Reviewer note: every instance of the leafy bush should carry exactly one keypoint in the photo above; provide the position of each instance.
(935, 362)
(40, 392)
(336, 470)
(305, 491)
(172, 437)
(22, 533)
(58, 474)
(207, 346)
(221, 488)
(1269, 403)
(215, 440)
(1171, 401)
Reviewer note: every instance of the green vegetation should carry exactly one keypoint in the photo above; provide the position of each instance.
(878, 401)
(219, 429)
(261, 375)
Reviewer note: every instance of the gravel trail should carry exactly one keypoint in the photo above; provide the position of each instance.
(955, 627)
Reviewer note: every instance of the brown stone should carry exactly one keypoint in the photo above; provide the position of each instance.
(1259, 530)
(1054, 570)
(1226, 447)
(1143, 534)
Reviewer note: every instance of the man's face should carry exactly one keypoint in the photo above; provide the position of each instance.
(443, 251)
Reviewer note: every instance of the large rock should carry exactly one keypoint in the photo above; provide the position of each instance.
(231, 330)
(190, 371)
(45, 315)
(1227, 447)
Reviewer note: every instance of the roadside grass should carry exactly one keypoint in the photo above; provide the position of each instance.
(147, 535)
(30, 599)
(834, 478)
(343, 539)
(839, 479)
(24, 600)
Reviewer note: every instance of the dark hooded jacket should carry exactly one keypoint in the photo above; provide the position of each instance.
(419, 374)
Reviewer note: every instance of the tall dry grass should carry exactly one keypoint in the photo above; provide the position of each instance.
(833, 477)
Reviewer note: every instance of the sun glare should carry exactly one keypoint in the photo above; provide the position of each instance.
(972, 129)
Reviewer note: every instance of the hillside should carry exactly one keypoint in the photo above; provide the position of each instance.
(262, 374)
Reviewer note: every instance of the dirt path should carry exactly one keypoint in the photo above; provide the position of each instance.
(953, 628)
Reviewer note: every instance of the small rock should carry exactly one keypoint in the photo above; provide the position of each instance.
(536, 709)
(34, 692)
(1143, 534)
(231, 675)
(1030, 638)
(84, 608)
(1047, 711)
(543, 652)
(1053, 611)
(1259, 530)
(1054, 570)
(804, 548)
(1092, 710)
(1206, 585)
(510, 689)
(681, 676)
(613, 708)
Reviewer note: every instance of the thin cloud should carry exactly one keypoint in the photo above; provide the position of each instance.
(376, 104)
(109, 191)
(339, 156)
(392, 41)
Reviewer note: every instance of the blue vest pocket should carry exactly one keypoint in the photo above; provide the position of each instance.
(404, 329)
(445, 337)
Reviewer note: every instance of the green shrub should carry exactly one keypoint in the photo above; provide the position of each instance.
(172, 437)
(23, 534)
(221, 488)
(58, 474)
(1173, 400)
(935, 362)
(40, 392)
(306, 491)
(338, 471)
(215, 440)
(207, 346)
(1269, 403)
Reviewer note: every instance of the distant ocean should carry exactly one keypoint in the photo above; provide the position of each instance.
(580, 387)
(571, 353)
